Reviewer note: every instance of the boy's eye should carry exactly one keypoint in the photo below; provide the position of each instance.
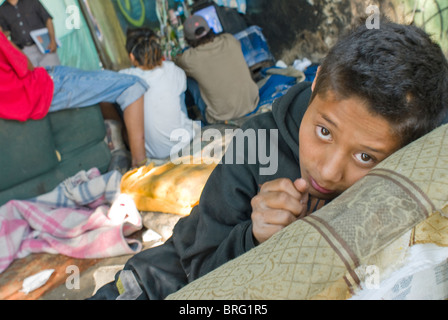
(323, 133)
(364, 158)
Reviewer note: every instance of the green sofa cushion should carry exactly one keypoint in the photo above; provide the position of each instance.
(74, 130)
(27, 149)
(38, 155)
(97, 156)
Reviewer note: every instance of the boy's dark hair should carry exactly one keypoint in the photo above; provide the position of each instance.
(144, 44)
(209, 37)
(397, 69)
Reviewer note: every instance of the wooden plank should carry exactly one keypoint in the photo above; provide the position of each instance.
(11, 279)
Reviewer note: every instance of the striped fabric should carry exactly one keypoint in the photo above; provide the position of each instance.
(84, 217)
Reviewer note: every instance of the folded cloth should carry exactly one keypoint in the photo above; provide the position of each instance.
(84, 217)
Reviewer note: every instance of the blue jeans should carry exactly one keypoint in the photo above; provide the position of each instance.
(75, 88)
(193, 88)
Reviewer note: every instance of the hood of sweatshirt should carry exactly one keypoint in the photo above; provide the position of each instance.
(288, 112)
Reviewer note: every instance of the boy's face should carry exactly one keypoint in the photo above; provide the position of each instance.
(340, 142)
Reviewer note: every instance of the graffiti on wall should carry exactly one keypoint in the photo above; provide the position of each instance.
(139, 13)
(133, 11)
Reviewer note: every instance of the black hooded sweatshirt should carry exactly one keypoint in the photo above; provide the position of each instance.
(219, 229)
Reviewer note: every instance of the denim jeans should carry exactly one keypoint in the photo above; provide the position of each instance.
(75, 88)
(193, 89)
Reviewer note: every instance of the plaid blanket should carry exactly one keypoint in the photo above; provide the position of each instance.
(84, 217)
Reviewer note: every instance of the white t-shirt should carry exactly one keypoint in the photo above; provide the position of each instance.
(165, 109)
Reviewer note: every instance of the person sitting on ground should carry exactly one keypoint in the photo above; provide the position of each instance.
(165, 109)
(376, 91)
(219, 79)
(30, 93)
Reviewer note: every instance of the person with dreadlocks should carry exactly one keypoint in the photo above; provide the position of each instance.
(164, 109)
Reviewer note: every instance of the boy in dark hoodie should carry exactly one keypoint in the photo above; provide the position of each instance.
(376, 91)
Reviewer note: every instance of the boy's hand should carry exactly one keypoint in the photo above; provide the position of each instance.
(278, 204)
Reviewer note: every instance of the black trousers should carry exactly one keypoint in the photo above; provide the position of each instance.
(152, 274)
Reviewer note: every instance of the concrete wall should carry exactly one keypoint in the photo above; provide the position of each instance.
(307, 28)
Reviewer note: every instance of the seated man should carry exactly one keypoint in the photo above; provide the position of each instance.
(30, 93)
(219, 79)
(376, 91)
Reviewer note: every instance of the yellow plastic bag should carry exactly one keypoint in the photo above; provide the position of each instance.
(170, 188)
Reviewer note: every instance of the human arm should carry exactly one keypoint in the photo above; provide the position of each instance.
(4, 26)
(50, 26)
(219, 228)
(187, 61)
(40, 12)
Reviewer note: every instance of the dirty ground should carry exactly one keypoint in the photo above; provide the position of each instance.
(93, 273)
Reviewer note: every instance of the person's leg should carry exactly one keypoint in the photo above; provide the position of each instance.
(49, 60)
(151, 274)
(195, 92)
(134, 121)
(33, 53)
(38, 59)
(75, 88)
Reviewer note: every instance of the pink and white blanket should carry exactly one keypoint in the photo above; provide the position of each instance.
(84, 217)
